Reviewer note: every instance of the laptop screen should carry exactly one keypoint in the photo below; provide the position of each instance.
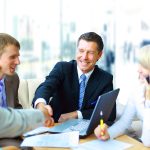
(105, 103)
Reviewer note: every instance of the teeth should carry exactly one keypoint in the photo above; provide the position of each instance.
(12, 69)
(84, 63)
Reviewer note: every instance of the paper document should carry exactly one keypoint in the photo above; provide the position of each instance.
(65, 140)
(37, 131)
(102, 145)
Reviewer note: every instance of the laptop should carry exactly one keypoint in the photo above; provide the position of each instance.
(85, 127)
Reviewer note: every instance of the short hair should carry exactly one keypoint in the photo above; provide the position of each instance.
(143, 56)
(93, 37)
(5, 40)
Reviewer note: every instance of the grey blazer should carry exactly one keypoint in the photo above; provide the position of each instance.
(11, 88)
(15, 122)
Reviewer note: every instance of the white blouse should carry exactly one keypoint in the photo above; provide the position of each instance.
(137, 105)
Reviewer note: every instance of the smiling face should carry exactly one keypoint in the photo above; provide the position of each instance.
(143, 73)
(87, 55)
(9, 60)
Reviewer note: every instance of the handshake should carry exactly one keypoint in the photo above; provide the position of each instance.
(48, 113)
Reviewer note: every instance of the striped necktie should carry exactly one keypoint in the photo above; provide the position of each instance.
(2, 99)
(82, 90)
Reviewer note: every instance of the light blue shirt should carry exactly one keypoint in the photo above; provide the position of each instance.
(86, 81)
(3, 93)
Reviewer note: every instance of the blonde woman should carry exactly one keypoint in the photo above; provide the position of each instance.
(138, 104)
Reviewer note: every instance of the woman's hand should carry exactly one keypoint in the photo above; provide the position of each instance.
(102, 133)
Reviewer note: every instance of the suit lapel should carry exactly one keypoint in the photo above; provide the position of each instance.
(75, 85)
(93, 83)
(8, 90)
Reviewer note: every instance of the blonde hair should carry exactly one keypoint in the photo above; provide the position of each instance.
(5, 40)
(143, 56)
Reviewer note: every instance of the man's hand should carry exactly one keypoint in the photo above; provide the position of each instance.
(105, 135)
(48, 107)
(48, 112)
(67, 116)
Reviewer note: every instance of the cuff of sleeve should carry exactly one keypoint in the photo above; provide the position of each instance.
(39, 100)
(79, 114)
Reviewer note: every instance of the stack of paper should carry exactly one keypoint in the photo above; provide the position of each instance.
(65, 140)
(36, 131)
(103, 145)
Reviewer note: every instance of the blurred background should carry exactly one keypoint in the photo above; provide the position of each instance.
(48, 30)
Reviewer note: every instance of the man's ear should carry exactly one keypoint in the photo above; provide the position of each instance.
(99, 55)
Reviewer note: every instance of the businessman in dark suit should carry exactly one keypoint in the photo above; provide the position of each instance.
(63, 83)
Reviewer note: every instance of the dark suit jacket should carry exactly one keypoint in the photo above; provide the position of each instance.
(11, 88)
(63, 85)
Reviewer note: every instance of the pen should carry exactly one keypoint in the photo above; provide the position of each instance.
(101, 123)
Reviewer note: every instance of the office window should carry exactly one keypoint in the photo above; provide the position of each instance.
(48, 31)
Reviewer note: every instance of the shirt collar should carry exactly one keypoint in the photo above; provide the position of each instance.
(86, 74)
(2, 80)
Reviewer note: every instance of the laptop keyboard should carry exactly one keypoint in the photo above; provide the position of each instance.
(82, 125)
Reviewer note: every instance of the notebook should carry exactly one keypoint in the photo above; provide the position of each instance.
(85, 127)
